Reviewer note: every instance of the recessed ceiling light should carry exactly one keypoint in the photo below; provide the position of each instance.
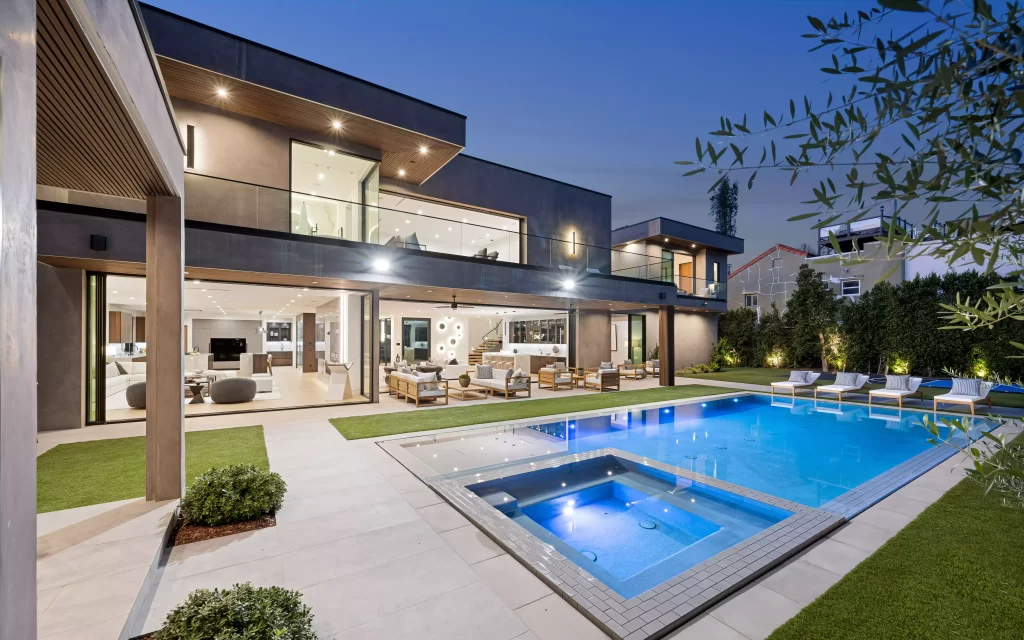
(305, 289)
(222, 92)
(693, 246)
(204, 289)
(131, 298)
(115, 292)
(319, 176)
(336, 124)
(423, 149)
(298, 295)
(330, 152)
(196, 281)
(401, 172)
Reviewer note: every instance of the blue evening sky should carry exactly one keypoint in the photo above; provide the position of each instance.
(599, 94)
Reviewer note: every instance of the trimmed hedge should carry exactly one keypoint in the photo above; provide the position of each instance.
(236, 493)
(243, 612)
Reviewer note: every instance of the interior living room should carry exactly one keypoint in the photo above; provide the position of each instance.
(246, 348)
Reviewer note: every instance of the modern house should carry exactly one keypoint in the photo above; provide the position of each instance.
(331, 226)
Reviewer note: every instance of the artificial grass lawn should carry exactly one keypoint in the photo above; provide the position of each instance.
(391, 423)
(956, 571)
(84, 473)
(757, 375)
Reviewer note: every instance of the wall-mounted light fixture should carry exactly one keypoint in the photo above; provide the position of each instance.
(573, 243)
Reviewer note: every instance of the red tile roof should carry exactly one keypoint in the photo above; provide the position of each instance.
(778, 247)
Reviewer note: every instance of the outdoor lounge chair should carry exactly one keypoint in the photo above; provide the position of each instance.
(893, 392)
(601, 379)
(653, 367)
(965, 391)
(797, 380)
(554, 379)
(635, 371)
(845, 383)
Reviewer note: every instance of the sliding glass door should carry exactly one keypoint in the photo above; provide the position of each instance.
(95, 348)
(637, 338)
(415, 339)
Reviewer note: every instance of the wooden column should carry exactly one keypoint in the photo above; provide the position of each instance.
(18, 319)
(667, 345)
(165, 410)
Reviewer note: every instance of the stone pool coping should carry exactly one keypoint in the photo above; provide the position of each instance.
(661, 609)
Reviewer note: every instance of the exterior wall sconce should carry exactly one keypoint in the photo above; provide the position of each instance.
(190, 147)
(573, 243)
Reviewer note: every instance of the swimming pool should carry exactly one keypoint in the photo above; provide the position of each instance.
(628, 539)
(809, 452)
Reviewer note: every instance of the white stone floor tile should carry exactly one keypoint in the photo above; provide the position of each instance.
(319, 505)
(54, 520)
(58, 569)
(552, 618)
(529, 635)
(834, 556)
(115, 557)
(902, 504)
(470, 613)
(511, 581)
(343, 524)
(707, 628)
(756, 611)
(103, 630)
(92, 601)
(406, 483)
(209, 555)
(365, 596)
(882, 518)
(471, 544)
(422, 498)
(863, 536)
(44, 598)
(800, 581)
(312, 565)
(442, 517)
(330, 484)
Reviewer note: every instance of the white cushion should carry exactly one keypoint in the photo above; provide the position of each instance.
(846, 379)
(897, 383)
(966, 387)
(798, 376)
(112, 370)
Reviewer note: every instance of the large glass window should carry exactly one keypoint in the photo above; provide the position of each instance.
(637, 338)
(332, 192)
(548, 331)
(415, 339)
(442, 228)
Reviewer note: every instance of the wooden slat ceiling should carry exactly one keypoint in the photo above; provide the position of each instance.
(86, 140)
(400, 147)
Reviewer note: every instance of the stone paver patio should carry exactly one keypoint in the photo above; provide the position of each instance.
(378, 554)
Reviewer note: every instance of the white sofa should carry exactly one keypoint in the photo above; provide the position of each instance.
(501, 381)
(453, 371)
(118, 381)
(264, 381)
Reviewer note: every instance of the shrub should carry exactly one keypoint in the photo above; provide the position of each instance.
(722, 355)
(243, 612)
(739, 327)
(697, 368)
(232, 494)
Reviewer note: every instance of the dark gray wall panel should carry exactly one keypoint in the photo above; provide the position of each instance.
(61, 363)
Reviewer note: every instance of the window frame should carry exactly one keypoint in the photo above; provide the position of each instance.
(746, 300)
(843, 284)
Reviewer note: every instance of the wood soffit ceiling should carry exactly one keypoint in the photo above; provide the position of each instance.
(400, 147)
(85, 138)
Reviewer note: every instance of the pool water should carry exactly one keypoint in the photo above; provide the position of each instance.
(634, 528)
(801, 450)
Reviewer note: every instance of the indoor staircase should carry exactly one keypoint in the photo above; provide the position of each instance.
(476, 354)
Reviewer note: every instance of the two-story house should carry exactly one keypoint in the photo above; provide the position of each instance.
(333, 225)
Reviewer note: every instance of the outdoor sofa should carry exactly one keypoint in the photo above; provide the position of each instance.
(501, 381)
(417, 387)
(845, 383)
(897, 388)
(965, 391)
(797, 380)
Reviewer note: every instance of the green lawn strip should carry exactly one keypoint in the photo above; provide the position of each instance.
(408, 422)
(755, 375)
(955, 572)
(83, 473)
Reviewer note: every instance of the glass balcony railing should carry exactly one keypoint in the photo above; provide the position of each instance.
(468, 233)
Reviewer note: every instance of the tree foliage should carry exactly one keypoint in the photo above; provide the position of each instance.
(811, 313)
(739, 327)
(725, 206)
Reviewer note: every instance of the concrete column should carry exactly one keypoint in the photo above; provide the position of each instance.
(17, 319)
(165, 409)
(667, 345)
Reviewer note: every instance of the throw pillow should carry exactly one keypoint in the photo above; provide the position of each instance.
(798, 376)
(453, 361)
(897, 383)
(430, 379)
(112, 370)
(846, 379)
(484, 371)
(517, 376)
(121, 369)
(405, 369)
(966, 387)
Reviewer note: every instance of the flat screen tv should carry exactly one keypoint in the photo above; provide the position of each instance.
(227, 349)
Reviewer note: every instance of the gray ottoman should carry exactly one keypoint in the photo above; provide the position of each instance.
(232, 390)
(135, 394)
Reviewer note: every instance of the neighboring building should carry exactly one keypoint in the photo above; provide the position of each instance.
(329, 224)
(768, 279)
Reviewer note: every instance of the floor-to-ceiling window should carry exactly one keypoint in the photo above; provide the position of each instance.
(443, 228)
(637, 338)
(333, 193)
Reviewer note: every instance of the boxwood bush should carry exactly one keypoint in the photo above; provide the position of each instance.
(232, 494)
(243, 612)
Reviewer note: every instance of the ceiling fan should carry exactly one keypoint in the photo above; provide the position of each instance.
(454, 305)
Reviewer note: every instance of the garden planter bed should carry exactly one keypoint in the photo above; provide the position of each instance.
(185, 533)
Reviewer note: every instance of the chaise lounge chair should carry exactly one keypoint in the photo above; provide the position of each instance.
(797, 380)
(965, 391)
(897, 388)
(845, 383)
